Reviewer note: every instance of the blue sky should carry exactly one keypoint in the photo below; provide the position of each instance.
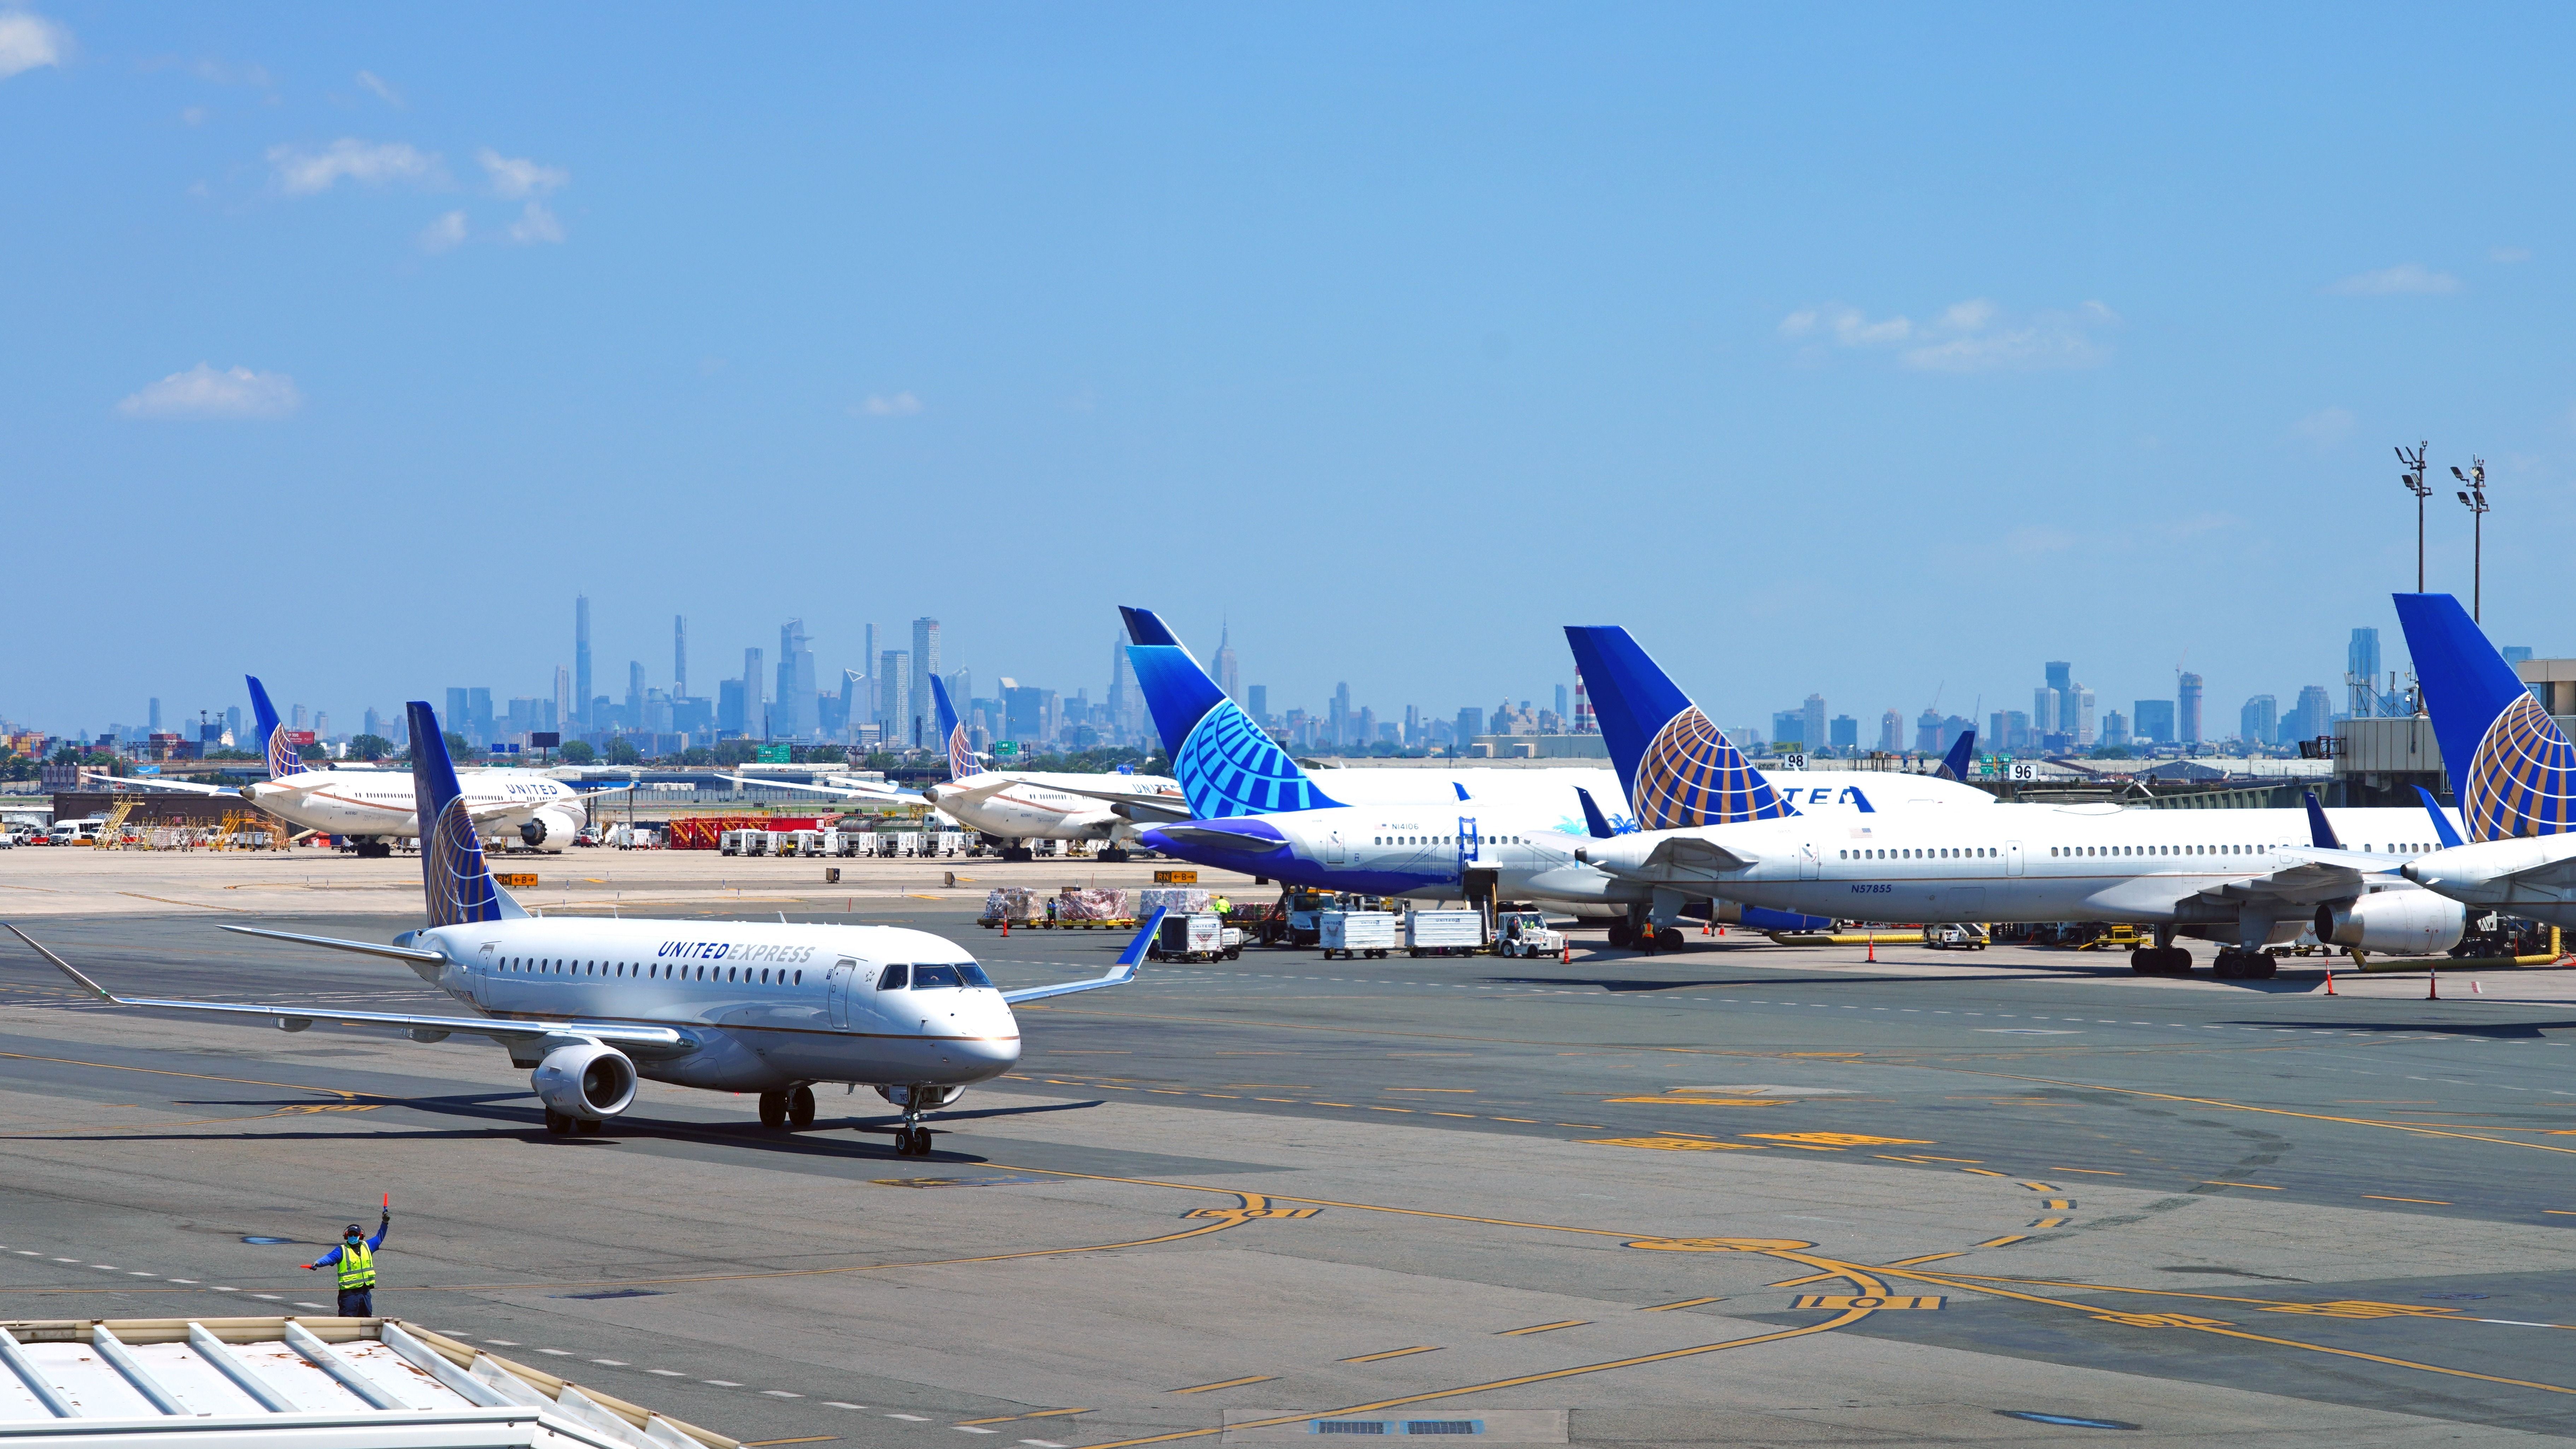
(1877, 351)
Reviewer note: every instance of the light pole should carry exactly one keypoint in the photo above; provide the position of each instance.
(2474, 497)
(2413, 478)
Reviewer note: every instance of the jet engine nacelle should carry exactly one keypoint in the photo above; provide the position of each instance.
(589, 1081)
(551, 828)
(2407, 923)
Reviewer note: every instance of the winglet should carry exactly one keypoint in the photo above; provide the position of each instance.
(1962, 751)
(961, 758)
(2442, 830)
(65, 967)
(1135, 951)
(1678, 769)
(1593, 820)
(2321, 831)
(1144, 626)
(273, 744)
(455, 883)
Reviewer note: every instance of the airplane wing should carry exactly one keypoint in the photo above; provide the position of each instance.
(1120, 975)
(1679, 856)
(2318, 876)
(1130, 805)
(644, 1040)
(179, 787)
(846, 790)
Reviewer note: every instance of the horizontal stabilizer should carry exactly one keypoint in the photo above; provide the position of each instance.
(363, 948)
(1120, 975)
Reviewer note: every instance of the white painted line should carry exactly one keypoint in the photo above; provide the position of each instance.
(504, 1342)
(104, 1267)
(557, 1352)
(611, 1362)
(139, 1273)
(915, 1418)
(779, 1394)
(972, 1429)
(721, 1383)
(228, 1290)
(667, 1373)
(837, 1404)
(189, 1281)
(1042, 1443)
(271, 1297)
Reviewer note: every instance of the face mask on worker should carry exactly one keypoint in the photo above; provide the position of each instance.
(353, 1239)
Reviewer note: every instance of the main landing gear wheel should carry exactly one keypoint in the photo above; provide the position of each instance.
(558, 1123)
(800, 1108)
(773, 1110)
(2160, 961)
(1113, 856)
(590, 1126)
(2246, 965)
(1621, 938)
(1669, 939)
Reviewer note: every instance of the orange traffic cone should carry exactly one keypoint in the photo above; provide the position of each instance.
(2477, 988)
(2330, 981)
(2432, 984)
(1006, 928)
(1872, 938)
(1566, 954)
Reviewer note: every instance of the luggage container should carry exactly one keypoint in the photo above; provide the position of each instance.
(1203, 936)
(1444, 933)
(907, 842)
(1352, 934)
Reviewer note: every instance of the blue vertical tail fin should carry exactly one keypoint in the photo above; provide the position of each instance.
(2442, 830)
(455, 883)
(1593, 820)
(1963, 752)
(961, 758)
(1678, 768)
(2321, 831)
(1224, 763)
(274, 746)
(2511, 768)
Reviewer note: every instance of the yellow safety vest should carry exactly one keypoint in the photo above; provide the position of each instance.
(357, 1268)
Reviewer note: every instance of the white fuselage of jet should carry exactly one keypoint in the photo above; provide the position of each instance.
(1012, 805)
(379, 804)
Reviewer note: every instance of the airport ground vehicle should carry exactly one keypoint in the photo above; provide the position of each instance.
(76, 832)
(1444, 933)
(1203, 936)
(1526, 933)
(1353, 934)
(1956, 936)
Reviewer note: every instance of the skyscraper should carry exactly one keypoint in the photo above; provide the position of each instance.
(2310, 718)
(2061, 721)
(565, 716)
(854, 700)
(792, 716)
(1125, 713)
(1891, 732)
(1228, 677)
(755, 713)
(1256, 702)
(1810, 729)
(2083, 730)
(679, 656)
(155, 715)
(581, 656)
(925, 663)
(2044, 710)
(634, 693)
(894, 697)
(1927, 732)
(2152, 721)
(2361, 672)
(2187, 708)
(2258, 723)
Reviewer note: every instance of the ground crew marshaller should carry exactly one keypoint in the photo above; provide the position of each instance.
(356, 1256)
(1224, 908)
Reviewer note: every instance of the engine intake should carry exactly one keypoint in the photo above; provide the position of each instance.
(589, 1081)
(2398, 922)
(550, 829)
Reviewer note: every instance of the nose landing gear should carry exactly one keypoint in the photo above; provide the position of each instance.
(911, 1139)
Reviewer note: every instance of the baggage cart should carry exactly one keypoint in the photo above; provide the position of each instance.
(1352, 934)
(1444, 933)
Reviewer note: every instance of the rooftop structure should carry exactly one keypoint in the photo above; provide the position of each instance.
(345, 1383)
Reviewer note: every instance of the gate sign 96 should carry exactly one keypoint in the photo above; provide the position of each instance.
(2021, 770)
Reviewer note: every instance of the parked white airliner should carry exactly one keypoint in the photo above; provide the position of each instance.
(592, 1006)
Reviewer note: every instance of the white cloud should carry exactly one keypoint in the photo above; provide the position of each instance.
(518, 176)
(384, 93)
(536, 224)
(2403, 280)
(900, 405)
(448, 231)
(202, 392)
(2508, 254)
(305, 172)
(2032, 540)
(28, 40)
(2326, 426)
(1970, 336)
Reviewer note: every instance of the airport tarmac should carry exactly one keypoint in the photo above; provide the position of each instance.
(1742, 1194)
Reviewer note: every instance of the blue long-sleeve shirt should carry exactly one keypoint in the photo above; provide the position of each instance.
(333, 1256)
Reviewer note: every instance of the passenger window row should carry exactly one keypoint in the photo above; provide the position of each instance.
(652, 970)
(1964, 852)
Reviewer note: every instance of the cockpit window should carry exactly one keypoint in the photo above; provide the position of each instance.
(974, 974)
(927, 976)
(895, 977)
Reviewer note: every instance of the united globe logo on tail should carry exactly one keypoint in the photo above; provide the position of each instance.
(454, 878)
(2519, 780)
(1692, 775)
(961, 755)
(1229, 767)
